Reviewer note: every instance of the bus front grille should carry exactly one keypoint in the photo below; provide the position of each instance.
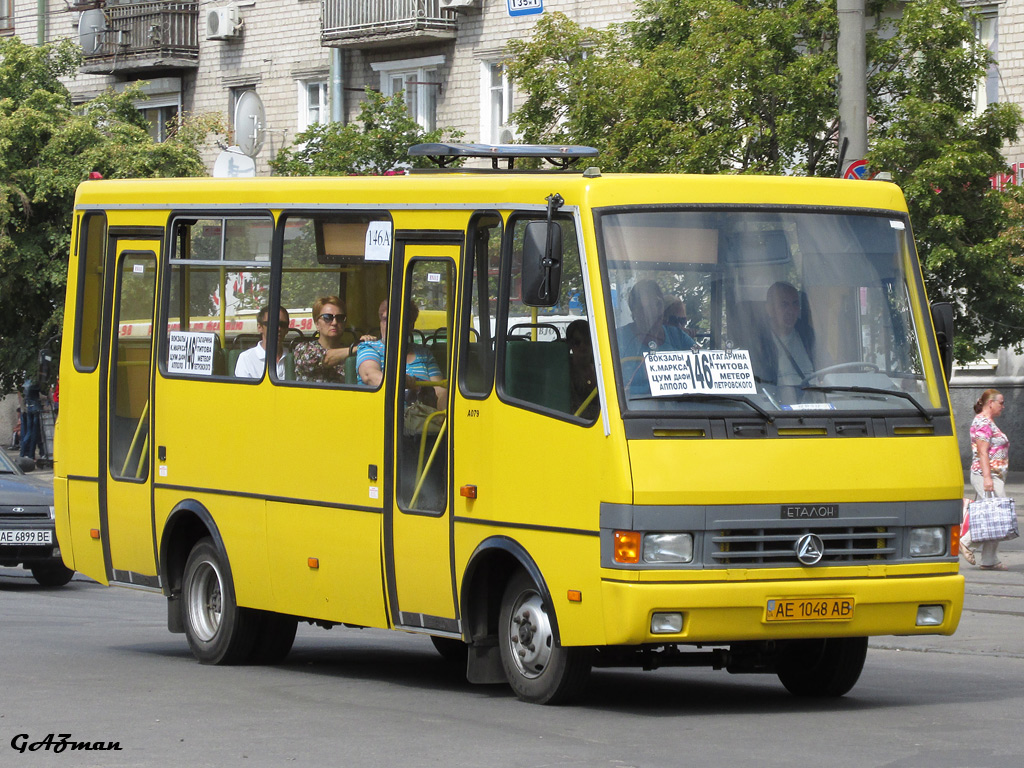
(775, 546)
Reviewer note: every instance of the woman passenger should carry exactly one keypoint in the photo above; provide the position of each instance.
(323, 358)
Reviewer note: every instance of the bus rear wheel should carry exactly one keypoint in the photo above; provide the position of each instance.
(218, 631)
(822, 668)
(538, 669)
(275, 634)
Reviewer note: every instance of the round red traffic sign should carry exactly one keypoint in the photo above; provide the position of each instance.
(858, 169)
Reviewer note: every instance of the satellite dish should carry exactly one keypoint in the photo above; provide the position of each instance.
(92, 26)
(250, 118)
(232, 164)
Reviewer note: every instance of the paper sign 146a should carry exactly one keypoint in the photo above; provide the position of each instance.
(704, 371)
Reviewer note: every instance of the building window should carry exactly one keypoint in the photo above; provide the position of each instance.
(313, 103)
(496, 104)
(986, 30)
(162, 120)
(6, 16)
(419, 81)
(160, 104)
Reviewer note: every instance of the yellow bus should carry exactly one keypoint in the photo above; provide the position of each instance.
(624, 420)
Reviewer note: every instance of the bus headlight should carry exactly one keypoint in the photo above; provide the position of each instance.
(668, 548)
(927, 542)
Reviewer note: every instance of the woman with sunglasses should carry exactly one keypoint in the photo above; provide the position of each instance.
(322, 360)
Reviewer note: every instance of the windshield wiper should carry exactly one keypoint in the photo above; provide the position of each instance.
(706, 396)
(872, 391)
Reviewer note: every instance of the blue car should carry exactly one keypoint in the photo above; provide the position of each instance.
(27, 535)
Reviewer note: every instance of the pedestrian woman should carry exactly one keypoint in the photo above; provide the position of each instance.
(990, 451)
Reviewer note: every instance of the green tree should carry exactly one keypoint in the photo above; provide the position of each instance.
(712, 86)
(47, 147)
(378, 143)
(926, 133)
(698, 86)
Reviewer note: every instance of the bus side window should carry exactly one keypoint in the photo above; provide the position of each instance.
(334, 276)
(541, 368)
(91, 249)
(483, 265)
(219, 281)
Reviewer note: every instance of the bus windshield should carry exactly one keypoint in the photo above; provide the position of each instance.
(765, 311)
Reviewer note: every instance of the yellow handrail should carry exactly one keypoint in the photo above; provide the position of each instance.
(421, 475)
(135, 440)
(583, 406)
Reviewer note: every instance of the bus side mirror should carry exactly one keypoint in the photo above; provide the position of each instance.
(542, 263)
(942, 319)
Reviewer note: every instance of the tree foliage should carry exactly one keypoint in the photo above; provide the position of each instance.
(943, 155)
(47, 147)
(713, 86)
(378, 143)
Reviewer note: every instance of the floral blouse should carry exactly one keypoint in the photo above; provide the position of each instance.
(985, 430)
(309, 364)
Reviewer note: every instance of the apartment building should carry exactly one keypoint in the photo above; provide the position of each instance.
(295, 62)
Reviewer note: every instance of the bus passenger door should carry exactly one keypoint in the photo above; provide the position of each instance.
(126, 507)
(418, 532)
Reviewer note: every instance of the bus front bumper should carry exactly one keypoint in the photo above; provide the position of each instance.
(724, 612)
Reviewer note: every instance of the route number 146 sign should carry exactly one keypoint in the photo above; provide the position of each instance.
(704, 371)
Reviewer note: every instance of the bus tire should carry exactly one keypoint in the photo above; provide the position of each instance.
(451, 650)
(538, 669)
(218, 631)
(275, 635)
(826, 668)
(52, 574)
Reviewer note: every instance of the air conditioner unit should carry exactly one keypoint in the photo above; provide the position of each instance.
(506, 135)
(222, 23)
(459, 5)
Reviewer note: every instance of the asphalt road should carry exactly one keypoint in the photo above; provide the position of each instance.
(98, 664)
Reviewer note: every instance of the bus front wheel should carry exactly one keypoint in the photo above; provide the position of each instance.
(52, 574)
(822, 668)
(536, 666)
(218, 631)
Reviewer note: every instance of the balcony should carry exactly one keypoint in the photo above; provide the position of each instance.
(141, 37)
(374, 23)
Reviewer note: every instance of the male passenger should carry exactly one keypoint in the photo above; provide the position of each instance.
(791, 360)
(647, 333)
(252, 361)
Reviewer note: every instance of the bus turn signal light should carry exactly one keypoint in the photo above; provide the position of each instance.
(313, 562)
(627, 547)
(469, 491)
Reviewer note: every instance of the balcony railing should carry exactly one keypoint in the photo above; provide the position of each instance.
(144, 36)
(365, 23)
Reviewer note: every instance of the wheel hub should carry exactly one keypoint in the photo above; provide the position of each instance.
(205, 602)
(530, 635)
